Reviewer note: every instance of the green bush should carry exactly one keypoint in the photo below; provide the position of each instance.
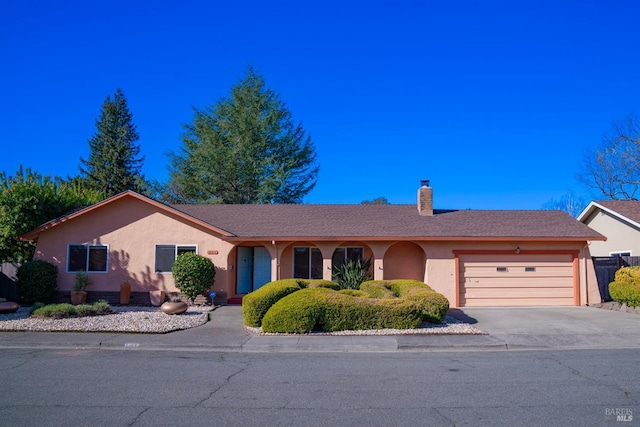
(36, 281)
(193, 274)
(257, 303)
(328, 310)
(626, 287)
(296, 313)
(352, 273)
(625, 293)
(302, 306)
(378, 289)
(319, 283)
(354, 293)
(628, 274)
(434, 306)
(59, 311)
(349, 313)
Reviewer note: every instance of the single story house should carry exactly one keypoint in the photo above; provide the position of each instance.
(473, 257)
(619, 221)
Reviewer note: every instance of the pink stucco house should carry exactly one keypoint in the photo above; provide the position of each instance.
(473, 257)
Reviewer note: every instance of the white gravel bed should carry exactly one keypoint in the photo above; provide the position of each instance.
(125, 319)
(450, 326)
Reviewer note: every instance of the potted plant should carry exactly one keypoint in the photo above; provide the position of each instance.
(79, 292)
(125, 292)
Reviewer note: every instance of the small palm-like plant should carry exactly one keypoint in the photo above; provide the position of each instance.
(353, 273)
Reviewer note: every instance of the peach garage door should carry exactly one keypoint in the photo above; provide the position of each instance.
(516, 280)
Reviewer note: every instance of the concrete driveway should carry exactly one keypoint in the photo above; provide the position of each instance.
(555, 327)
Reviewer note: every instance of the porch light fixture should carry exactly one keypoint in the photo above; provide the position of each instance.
(518, 250)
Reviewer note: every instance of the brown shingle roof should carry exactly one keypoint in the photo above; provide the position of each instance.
(627, 208)
(385, 221)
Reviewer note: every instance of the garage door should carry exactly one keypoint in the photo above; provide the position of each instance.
(516, 280)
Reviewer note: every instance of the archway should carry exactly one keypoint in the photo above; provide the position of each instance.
(404, 260)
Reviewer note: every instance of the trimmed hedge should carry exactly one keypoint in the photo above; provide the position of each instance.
(433, 305)
(327, 310)
(302, 306)
(256, 304)
(626, 287)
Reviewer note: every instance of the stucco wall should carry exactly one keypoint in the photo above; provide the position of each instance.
(621, 236)
(131, 228)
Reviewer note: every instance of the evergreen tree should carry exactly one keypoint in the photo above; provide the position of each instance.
(114, 164)
(243, 149)
(28, 200)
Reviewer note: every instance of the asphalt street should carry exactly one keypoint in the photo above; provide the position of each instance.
(54, 387)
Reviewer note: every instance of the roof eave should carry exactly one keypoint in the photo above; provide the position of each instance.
(593, 206)
(415, 238)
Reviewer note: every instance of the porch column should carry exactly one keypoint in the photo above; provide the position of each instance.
(326, 269)
(378, 269)
(378, 250)
(326, 248)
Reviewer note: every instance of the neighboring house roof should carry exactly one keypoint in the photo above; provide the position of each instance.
(626, 210)
(364, 222)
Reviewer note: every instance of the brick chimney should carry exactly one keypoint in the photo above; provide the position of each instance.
(425, 198)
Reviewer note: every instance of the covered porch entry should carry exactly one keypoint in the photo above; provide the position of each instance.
(254, 268)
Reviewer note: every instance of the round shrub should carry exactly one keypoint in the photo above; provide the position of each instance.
(628, 274)
(36, 281)
(193, 274)
(296, 313)
(257, 303)
(625, 293)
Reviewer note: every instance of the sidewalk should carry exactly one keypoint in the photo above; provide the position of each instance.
(506, 328)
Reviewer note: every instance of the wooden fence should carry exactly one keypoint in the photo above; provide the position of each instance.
(606, 268)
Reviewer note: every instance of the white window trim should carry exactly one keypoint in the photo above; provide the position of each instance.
(88, 245)
(175, 253)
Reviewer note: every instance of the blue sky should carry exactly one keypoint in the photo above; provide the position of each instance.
(494, 102)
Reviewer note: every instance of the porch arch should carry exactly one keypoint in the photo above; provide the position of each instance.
(404, 260)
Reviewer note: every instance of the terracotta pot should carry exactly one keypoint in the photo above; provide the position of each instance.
(125, 293)
(178, 307)
(156, 297)
(78, 297)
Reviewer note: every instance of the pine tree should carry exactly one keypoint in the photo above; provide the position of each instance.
(114, 164)
(243, 149)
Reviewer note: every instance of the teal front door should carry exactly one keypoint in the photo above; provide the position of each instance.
(254, 268)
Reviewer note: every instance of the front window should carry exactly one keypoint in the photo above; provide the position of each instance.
(166, 255)
(89, 258)
(307, 263)
(345, 254)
